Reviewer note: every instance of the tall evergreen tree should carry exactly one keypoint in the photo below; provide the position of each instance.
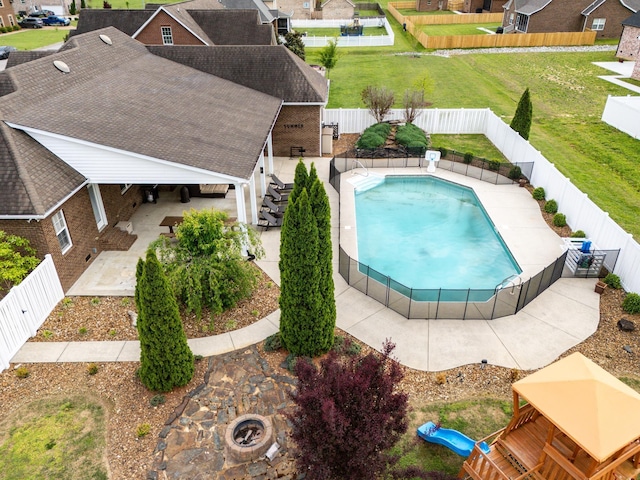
(299, 279)
(293, 41)
(521, 122)
(300, 181)
(327, 307)
(166, 360)
(311, 179)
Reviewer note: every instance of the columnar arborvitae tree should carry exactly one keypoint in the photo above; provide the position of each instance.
(300, 181)
(72, 8)
(299, 279)
(327, 314)
(348, 415)
(311, 179)
(293, 41)
(166, 360)
(521, 122)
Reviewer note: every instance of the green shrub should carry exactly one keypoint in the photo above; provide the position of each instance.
(92, 369)
(3, 29)
(290, 362)
(370, 140)
(157, 400)
(515, 173)
(443, 152)
(578, 234)
(468, 158)
(559, 220)
(273, 343)
(16, 28)
(551, 206)
(411, 136)
(22, 372)
(631, 303)
(143, 430)
(613, 281)
(538, 193)
(494, 165)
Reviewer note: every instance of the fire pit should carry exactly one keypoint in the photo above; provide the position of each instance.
(248, 438)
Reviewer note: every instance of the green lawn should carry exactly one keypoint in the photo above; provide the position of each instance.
(29, 39)
(335, 32)
(479, 145)
(459, 29)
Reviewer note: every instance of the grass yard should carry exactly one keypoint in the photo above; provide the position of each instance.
(459, 29)
(60, 438)
(568, 100)
(367, 13)
(479, 145)
(631, 81)
(476, 418)
(29, 39)
(335, 32)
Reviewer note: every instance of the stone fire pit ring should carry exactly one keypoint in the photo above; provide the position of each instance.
(248, 438)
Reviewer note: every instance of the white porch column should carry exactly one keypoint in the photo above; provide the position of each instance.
(253, 199)
(263, 176)
(240, 206)
(270, 153)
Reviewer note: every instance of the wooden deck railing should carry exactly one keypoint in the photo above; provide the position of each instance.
(480, 467)
(527, 414)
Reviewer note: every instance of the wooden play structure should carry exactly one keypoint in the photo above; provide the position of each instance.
(580, 423)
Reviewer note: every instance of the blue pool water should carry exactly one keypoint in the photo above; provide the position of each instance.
(427, 233)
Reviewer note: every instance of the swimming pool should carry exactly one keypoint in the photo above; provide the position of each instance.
(430, 234)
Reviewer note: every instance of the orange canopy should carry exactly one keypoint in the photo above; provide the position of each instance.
(595, 409)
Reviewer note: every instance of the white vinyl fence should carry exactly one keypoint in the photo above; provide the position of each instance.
(581, 212)
(623, 113)
(26, 307)
(348, 41)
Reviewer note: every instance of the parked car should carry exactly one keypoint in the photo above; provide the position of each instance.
(41, 13)
(5, 51)
(55, 20)
(31, 22)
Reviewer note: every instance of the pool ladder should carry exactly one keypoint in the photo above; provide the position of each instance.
(354, 166)
(510, 281)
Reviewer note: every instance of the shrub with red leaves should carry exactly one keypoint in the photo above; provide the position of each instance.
(348, 415)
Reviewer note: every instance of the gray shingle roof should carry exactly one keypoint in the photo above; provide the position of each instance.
(124, 97)
(127, 21)
(273, 70)
(23, 56)
(234, 27)
(530, 6)
(591, 8)
(633, 20)
(633, 5)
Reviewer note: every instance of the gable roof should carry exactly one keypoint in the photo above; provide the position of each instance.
(127, 21)
(233, 27)
(633, 5)
(133, 101)
(529, 7)
(266, 15)
(591, 8)
(23, 56)
(632, 21)
(255, 67)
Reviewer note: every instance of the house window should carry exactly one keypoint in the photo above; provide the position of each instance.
(11, 21)
(511, 18)
(124, 187)
(522, 22)
(1, 4)
(598, 24)
(62, 232)
(167, 37)
(1, 22)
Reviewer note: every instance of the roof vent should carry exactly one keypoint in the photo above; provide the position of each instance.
(106, 39)
(60, 65)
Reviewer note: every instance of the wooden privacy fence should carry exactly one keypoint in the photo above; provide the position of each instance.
(26, 307)
(413, 25)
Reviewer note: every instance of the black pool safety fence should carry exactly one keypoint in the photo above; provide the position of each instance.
(497, 173)
(508, 298)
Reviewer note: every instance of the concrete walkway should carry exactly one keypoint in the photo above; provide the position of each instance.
(563, 316)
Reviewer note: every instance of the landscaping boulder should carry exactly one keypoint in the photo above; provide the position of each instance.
(626, 325)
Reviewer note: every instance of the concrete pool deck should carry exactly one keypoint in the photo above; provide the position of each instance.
(561, 317)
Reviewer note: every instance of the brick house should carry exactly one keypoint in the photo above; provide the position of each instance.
(629, 46)
(541, 16)
(73, 165)
(484, 6)
(7, 15)
(319, 9)
(431, 5)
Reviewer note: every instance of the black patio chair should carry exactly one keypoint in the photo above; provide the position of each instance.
(276, 195)
(275, 210)
(267, 220)
(279, 184)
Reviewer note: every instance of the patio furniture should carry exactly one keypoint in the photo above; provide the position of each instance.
(267, 220)
(277, 196)
(275, 210)
(279, 184)
(171, 222)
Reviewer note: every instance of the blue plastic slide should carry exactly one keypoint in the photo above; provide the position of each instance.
(452, 439)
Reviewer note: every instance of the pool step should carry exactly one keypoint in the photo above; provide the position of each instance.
(363, 183)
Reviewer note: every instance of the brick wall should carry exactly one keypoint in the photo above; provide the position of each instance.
(470, 6)
(82, 229)
(297, 126)
(297, 7)
(629, 46)
(152, 35)
(430, 5)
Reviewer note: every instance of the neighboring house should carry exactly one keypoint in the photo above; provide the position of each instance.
(318, 9)
(430, 5)
(544, 16)
(629, 46)
(179, 25)
(484, 6)
(7, 14)
(73, 164)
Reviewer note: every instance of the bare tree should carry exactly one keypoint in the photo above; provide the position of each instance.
(412, 102)
(378, 100)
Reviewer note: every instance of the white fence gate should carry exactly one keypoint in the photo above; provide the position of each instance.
(26, 307)
(581, 212)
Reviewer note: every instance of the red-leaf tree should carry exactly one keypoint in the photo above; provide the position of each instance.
(348, 414)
